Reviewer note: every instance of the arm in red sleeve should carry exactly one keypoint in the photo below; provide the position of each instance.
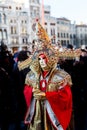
(28, 94)
(61, 104)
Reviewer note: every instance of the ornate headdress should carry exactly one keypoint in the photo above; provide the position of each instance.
(48, 49)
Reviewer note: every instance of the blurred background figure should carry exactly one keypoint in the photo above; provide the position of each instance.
(7, 90)
(79, 90)
(19, 77)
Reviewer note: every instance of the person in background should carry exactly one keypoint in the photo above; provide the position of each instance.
(79, 90)
(19, 78)
(7, 90)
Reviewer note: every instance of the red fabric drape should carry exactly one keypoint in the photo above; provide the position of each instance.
(61, 103)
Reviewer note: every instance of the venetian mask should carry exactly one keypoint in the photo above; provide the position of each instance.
(42, 60)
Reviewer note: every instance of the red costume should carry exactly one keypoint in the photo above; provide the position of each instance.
(60, 101)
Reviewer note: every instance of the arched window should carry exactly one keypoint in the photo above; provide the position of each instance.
(11, 30)
(4, 34)
(4, 18)
(23, 40)
(0, 34)
(24, 30)
(0, 18)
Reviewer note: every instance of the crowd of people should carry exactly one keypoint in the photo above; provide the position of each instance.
(77, 68)
(49, 94)
(12, 101)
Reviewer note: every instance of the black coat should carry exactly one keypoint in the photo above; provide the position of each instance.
(7, 98)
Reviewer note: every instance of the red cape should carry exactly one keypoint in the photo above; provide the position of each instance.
(61, 103)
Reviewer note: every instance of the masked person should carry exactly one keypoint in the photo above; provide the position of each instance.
(47, 93)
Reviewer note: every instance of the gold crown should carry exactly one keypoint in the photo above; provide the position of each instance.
(47, 47)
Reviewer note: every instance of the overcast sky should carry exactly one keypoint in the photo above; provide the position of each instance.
(74, 10)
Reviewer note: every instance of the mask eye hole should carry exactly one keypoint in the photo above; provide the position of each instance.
(39, 58)
(44, 58)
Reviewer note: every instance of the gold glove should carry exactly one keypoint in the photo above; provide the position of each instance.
(38, 94)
